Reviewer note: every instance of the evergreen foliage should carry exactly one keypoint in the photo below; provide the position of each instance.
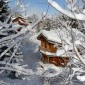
(3, 10)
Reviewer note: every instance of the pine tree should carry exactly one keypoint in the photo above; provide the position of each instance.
(3, 16)
(3, 10)
(10, 53)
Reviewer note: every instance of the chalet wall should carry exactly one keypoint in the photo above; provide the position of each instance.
(46, 45)
(58, 61)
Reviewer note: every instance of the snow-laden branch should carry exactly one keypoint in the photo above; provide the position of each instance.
(70, 14)
(15, 67)
(79, 56)
(23, 31)
(74, 43)
(13, 54)
(9, 48)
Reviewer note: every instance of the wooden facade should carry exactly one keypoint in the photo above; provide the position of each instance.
(21, 21)
(56, 60)
(47, 46)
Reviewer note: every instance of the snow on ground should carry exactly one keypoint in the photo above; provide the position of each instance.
(50, 70)
(32, 59)
(41, 72)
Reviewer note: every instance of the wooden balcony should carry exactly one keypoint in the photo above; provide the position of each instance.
(47, 50)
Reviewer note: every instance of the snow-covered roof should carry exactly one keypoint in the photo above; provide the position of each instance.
(59, 35)
(63, 36)
(51, 36)
(58, 53)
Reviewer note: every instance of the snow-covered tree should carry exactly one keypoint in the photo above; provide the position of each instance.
(11, 37)
(74, 13)
(3, 10)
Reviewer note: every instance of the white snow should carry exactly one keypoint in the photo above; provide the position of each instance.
(81, 78)
(59, 52)
(17, 25)
(36, 69)
(47, 53)
(51, 35)
(50, 70)
(56, 5)
(62, 35)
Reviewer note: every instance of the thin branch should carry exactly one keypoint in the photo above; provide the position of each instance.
(79, 16)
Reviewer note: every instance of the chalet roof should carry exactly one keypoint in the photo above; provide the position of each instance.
(59, 35)
(19, 20)
(58, 53)
(50, 36)
(63, 35)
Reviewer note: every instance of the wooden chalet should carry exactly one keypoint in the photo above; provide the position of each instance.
(49, 48)
(19, 20)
